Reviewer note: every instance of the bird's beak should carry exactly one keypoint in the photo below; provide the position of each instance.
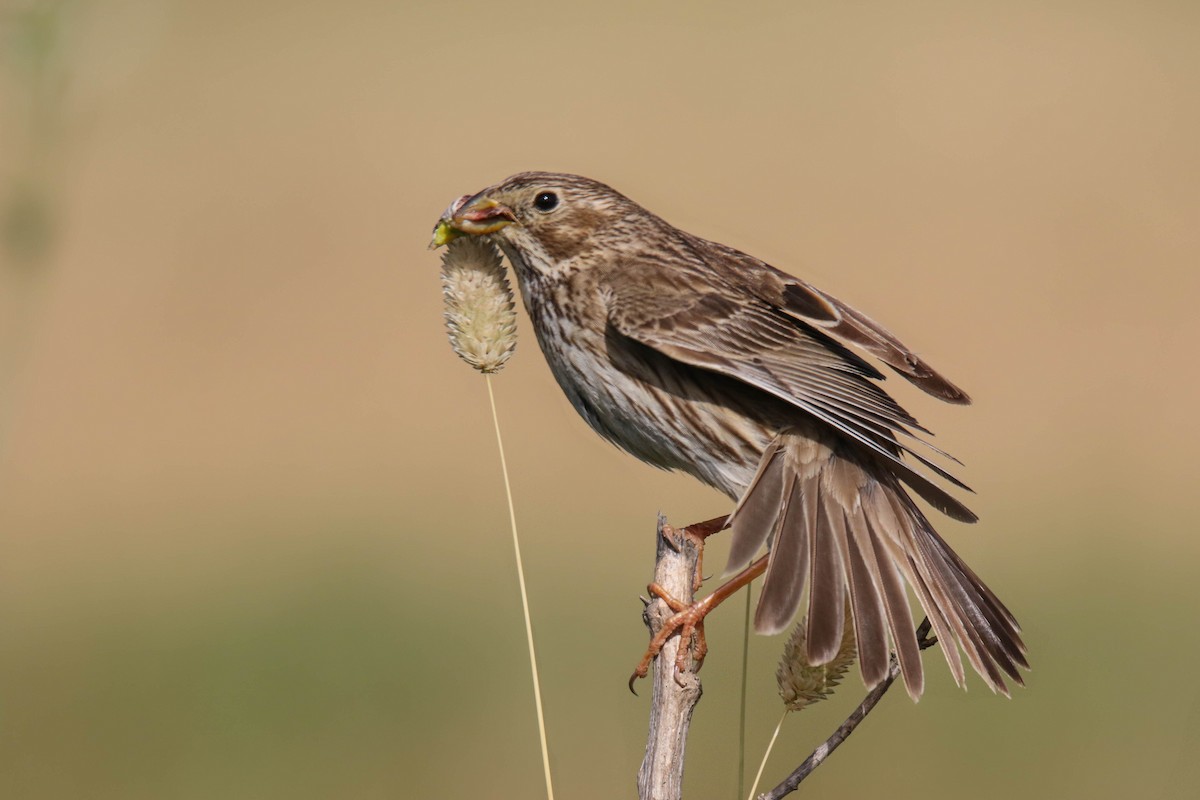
(476, 216)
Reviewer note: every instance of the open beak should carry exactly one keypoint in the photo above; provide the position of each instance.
(476, 216)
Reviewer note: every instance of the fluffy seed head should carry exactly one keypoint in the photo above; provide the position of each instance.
(480, 316)
(801, 683)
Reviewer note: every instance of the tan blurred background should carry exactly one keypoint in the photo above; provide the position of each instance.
(253, 533)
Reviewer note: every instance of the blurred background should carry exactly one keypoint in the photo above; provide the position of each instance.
(254, 542)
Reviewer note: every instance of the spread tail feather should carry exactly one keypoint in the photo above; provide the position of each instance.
(837, 528)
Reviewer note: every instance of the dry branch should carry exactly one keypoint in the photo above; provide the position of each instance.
(673, 695)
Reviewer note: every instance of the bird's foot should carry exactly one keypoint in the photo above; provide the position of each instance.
(688, 623)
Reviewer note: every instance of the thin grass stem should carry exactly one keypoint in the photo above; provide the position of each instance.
(767, 754)
(512, 517)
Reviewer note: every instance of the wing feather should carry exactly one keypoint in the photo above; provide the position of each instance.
(804, 301)
(775, 353)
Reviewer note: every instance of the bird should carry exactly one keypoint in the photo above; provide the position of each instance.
(695, 357)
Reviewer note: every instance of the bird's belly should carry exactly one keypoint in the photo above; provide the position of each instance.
(664, 417)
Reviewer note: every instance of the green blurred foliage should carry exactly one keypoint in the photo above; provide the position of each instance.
(32, 80)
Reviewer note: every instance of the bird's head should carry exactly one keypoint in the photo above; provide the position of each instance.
(548, 218)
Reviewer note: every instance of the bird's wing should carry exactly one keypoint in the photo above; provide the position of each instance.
(695, 319)
(805, 302)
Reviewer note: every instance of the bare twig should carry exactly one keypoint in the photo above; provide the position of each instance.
(673, 695)
(792, 782)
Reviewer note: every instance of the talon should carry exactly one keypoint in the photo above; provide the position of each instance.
(642, 670)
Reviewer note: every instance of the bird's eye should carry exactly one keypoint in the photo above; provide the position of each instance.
(545, 201)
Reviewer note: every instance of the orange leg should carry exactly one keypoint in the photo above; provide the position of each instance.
(688, 621)
(697, 533)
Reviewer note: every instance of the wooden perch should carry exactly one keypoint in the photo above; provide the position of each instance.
(673, 695)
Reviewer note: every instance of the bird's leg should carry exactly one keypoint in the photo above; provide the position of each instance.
(688, 621)
(697, 532)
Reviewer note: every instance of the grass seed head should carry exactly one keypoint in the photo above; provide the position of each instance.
(801, 683)
(480, 316)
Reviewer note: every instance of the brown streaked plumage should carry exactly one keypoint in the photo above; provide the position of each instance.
(696, 357)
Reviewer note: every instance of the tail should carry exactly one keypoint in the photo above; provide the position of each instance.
(838, 522)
